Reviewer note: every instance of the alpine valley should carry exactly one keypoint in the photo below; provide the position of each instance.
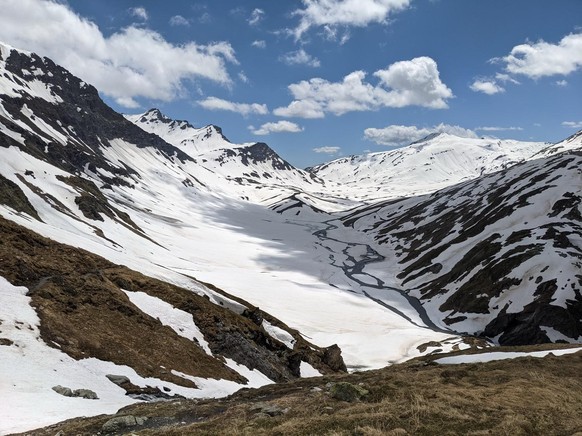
(143, 259)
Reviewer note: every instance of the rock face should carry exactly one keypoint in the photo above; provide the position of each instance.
(68, 106)
(499, 256)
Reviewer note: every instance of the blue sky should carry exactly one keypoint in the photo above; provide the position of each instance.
(317, 79)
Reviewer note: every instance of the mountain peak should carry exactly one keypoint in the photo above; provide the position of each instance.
(428, 138)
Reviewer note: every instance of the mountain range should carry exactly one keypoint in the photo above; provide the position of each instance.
(143, 258)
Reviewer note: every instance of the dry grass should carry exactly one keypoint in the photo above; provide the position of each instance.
(525, 396)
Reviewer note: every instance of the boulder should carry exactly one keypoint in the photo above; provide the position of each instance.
(118, 379)
(344, 391)
(67, 392)
(85, 393)
(268, 409)
(122, 422)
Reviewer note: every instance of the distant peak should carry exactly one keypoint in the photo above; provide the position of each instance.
(427, 138)
(156, 114)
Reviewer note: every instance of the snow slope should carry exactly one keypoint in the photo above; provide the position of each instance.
(498, 256)
(435, 162)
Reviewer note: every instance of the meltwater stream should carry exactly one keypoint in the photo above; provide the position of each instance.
(354, 269)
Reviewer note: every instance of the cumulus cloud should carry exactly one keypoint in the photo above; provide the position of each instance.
(327, 150)
(278, 127)
(407, 83)
(139, 12)
(499, 129)
(344, 13)
(542, 59)
(300, 57)
(259, 43)
(572, 124)
(134, 62)
(400, 135)
(256, 17)
(218, 104)
(489, 87)
(179, 20)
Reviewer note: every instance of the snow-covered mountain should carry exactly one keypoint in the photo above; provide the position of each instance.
(433, 163)
(499, 256)
(167, 240)
(181, 133)
(573, 142)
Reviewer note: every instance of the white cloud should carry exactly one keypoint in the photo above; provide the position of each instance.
(259, 44)
(301, 109)
(205, 18)
(179, 20)
(406, 83)
(134, 62)
(128, 102)
(256, 17)
(498, 129)
(300, 57)
(400, 135)
(345, 13)
(139, 12)
(486, 86)
(327, 150)
(506, 78)
(572, 124)
(243, 77)
(562, 83)
(218, 104)
(332, 33)
(542, 59)
(278, 127)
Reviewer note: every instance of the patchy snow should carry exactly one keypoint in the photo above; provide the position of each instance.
(555, 336)
(181, 322)
(211, 388)
(500, 355)
(29, 369)
(279, 334)
(307, 370)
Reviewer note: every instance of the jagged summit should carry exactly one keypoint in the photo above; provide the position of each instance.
(181, 133)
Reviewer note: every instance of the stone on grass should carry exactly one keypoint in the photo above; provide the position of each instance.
(121, 422)
(344, 391)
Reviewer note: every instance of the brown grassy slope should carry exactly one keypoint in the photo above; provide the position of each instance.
(524, 396)
(79, 299)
